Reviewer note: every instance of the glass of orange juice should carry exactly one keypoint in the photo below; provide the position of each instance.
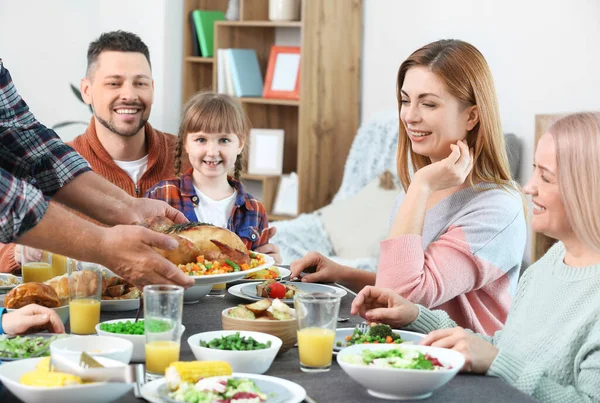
(85, 291)
(163, 308)
(317, 320)
(36, 266)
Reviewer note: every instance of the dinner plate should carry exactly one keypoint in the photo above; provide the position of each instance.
(342, 333)
(284, 274)
(278, 390)
(247, 291)
(236, 275)
(118, 305)
(7, 288)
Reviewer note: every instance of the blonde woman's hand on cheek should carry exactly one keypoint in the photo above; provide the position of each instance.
(449, 172)
(479, 354)
(384, 305)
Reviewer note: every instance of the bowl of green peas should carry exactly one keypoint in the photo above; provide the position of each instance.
(131, 330)
(247, 352)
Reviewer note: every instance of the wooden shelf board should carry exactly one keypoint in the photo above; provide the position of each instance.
(270, 101)
(266, 24)
(279, 217)
(196, 59)
(252, 177)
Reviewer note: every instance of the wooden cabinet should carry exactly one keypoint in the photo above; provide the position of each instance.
(320, 127)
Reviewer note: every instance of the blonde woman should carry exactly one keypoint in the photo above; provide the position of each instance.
(457, 240)
(550, 345)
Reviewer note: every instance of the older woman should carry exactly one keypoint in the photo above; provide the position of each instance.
(550, 345)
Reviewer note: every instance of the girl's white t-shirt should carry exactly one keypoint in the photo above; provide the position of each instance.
(135, 169)
(215, 212)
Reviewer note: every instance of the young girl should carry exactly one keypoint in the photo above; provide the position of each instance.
(550, 346)
(213, 133)
(457, 239)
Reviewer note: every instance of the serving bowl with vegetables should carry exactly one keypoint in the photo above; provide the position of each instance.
(391, 371)
(250, 352)
(131, 330)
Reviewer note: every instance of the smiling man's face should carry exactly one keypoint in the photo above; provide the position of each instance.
(120, 88)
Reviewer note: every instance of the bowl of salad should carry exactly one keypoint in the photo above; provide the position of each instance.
(131, 330)
(390, 371)
(247, 352)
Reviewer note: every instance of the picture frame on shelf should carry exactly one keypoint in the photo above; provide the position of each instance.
(265, 152)
(286, 200)
(282, 80)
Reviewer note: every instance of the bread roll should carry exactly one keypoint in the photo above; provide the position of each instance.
(61, 286)
(31, 293)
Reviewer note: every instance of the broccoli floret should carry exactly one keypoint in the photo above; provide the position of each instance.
(380, 330)
(396, 336)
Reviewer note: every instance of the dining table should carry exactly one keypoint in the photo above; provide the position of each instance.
(332, 386)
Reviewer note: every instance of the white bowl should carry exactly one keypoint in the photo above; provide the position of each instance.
(139, 341)
(62, 311)
(114, 348)
(394, 383)
(99, 392)
(193, 294)
(252, 362)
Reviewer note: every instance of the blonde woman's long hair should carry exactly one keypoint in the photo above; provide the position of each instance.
(210, 112)
(467, 76)
(577, 140)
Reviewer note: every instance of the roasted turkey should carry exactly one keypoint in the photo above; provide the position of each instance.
(214, 243)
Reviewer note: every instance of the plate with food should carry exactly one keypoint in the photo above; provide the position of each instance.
(283, 290)
(270, 273)
(8, 282)
(208, 254)
(21, 347)
(376, 334)
(267, 389)
(119, 295)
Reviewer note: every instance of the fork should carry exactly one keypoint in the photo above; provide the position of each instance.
(363, 327)
(140, 309)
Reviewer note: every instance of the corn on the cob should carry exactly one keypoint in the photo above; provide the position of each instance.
(43, 365)
(49, 379)
(193, 371)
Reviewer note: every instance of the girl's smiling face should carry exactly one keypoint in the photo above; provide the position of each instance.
(213, 154)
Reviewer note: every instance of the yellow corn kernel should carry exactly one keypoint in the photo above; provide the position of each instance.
(193, 371)
(49, 379)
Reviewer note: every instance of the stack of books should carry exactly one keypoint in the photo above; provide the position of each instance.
(238, 73)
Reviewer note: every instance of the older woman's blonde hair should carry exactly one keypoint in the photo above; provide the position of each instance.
(577, 140)
(467, 76)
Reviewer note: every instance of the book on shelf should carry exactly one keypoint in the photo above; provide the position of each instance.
(245, 72)
(238, 73)
(195, 44)
(204, 20)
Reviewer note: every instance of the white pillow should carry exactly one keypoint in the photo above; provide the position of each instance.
(357, 225)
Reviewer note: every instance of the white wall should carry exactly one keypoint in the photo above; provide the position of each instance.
(544, 54)
(44, 45)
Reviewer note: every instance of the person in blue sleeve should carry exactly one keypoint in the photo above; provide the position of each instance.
(29, 319)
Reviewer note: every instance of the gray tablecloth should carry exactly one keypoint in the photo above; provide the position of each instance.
(333, 386)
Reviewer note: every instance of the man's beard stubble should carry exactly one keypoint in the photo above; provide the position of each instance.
(111, 126)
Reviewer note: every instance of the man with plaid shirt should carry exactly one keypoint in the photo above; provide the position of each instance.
(35, 165)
